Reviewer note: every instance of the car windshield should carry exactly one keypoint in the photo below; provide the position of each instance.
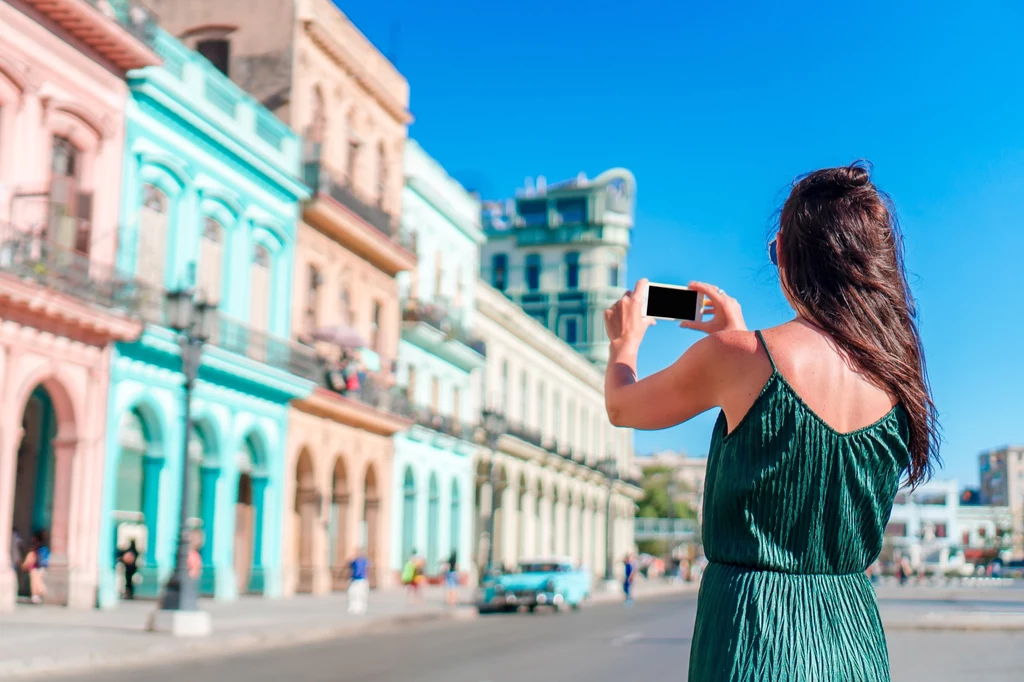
(543, 568)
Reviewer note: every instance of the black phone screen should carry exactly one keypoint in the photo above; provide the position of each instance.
(675, 304)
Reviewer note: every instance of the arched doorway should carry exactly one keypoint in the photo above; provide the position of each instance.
(306, 513)
(433, 525)
(455, 522)
(136, 499)
(33, 490)
(247, 543)
(338, 527)
(371, 522)
(408, 514)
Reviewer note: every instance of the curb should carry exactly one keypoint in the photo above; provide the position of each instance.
(961, 622)
(177, 650)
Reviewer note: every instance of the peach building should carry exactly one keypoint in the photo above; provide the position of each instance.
(308, 63)
(62, 100)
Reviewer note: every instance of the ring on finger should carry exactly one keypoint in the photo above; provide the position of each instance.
(721, 292)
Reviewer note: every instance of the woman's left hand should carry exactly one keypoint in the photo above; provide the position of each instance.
(625, 321)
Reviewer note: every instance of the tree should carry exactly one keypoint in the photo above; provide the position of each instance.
(660, 496)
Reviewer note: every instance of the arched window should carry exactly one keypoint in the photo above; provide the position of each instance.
(211, 258)
(260, 292)
(152, 241)
(353, 151)
(70, 216)
(318, 122)
(408, 515)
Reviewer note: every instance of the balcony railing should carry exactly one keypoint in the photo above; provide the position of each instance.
(439, 317)
(237, 337)
(338, 186)
(445, 424)
(59, 268)
(375, 390)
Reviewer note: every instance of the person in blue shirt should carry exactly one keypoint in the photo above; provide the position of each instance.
(629, 574)
(359, 584)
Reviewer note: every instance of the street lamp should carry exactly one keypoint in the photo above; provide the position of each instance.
(495, 425)
(193, 319)
(609, 467)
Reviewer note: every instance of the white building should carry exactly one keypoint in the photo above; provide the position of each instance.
(1002, 484)
(551, 496)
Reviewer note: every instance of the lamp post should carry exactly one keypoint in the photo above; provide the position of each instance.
(193, 319)
(609, 467)
(495, 425)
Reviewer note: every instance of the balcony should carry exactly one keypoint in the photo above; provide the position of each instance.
(377, 405)
(435, 328)
(121, 31)
(444, 424)
(62, 291)
(236, 337)
(355, 221)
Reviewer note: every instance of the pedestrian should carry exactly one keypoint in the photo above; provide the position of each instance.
(820, 419)
(451, 580)
(409, 572)
(130, 560)
(359, 584)
(629, 575)
(33, 566)
(195, 563)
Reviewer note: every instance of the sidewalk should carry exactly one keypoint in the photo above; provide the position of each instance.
(36, 641)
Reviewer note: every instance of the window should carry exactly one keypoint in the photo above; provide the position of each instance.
(435, 395)
(523, 396)
(345, 306)
(458, 290)
(533, 213)
(382, 176)
(410, 389)
(211, 258)
(540, 408)
(572, 210)
(375, 327)
(152, 244)
(556, 416)
(613, 276)
(584, 432)
(456, 404)
(572, 330)
(504, 386)
(533, 271)
(259, 304)
(318, 123)
(313, 285)
(499, 271)
(218, 51)
(572, 270)
(352, 162)
(571, 423)
(438, 275)
(69, 224)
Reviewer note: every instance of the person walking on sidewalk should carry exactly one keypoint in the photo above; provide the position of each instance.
(130, 560)
(629, 575)
(34, 565)
(410, 572)
(359, 583)
(451, 580)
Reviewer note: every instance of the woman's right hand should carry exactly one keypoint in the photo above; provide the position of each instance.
(727, 315)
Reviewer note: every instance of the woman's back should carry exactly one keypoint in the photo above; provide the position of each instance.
(794, 489)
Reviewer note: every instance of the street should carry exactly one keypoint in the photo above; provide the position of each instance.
(651, 640)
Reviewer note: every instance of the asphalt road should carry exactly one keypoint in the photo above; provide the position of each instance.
(609, 643)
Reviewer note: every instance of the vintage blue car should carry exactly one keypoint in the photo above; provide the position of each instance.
(554, 582)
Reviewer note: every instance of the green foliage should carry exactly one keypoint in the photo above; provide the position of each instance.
(657, 502)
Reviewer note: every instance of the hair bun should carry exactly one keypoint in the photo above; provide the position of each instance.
(854, 175)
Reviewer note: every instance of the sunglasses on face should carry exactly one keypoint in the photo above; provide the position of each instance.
(773, 251)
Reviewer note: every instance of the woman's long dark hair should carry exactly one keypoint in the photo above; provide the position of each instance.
(842, 255)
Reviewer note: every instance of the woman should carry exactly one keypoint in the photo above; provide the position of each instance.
(34, 566)
(130, 560)
(820, 419)
(451, 580)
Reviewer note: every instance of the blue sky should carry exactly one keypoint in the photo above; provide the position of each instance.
(716, 107)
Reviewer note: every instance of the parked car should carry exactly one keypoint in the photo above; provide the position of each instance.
(555, 582)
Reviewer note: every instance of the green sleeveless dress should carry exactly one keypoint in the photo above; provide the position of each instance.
(794, 513)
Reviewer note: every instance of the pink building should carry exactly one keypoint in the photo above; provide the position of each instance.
(62, 99)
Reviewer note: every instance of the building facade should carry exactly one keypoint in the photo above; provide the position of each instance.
(543, 482)
(62, 303)
(560, 251)
(309, 64)
(439, 361)
(210, 201)
(1002, 485)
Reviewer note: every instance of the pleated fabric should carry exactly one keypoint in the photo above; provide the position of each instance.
(794, 513)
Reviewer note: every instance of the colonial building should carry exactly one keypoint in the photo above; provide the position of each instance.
(62, 304)
(309, 64)
(1002, 485)
(553, 479)
(438, 359)
(211, 198)
(559, 251)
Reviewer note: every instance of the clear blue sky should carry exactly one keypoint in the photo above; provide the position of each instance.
(716, 107)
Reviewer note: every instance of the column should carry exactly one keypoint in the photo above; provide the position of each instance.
(151, 467)
(57, 573)
(10, 436)
(546, 530)
(575, 541)
(259, 495)
(528, 522)
(586, 536)
(208, 511)
(509, 530)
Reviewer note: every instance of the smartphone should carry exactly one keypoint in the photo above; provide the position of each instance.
(671, 302)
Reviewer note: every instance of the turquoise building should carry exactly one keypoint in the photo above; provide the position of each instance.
(440, 363)
(210, 199)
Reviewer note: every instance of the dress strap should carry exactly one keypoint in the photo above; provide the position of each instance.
(764, 345)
